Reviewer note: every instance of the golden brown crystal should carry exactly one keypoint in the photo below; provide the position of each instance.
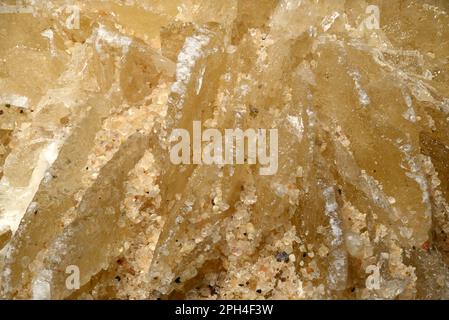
(91, 90)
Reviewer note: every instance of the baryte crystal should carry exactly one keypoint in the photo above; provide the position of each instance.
(358, 91)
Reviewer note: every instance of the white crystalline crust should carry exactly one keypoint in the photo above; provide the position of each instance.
(92, 207)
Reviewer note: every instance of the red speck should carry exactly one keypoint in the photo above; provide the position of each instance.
(426, 245)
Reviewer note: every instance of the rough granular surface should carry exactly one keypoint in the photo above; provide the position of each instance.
(92, 205)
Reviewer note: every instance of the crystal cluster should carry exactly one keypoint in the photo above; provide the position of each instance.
(91, 90)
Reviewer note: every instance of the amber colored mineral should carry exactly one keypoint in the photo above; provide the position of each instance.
(92, 207)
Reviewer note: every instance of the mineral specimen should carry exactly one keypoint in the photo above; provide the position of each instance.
(93, 207)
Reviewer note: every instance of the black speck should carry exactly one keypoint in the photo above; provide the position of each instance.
(259, 290)
(178, 280)
(282, 257)
(7, 105)
(118, 278)
(253, 111)
(304, 255)
(21, 111)
(1, 112)
(213, 289)
(352, 289)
